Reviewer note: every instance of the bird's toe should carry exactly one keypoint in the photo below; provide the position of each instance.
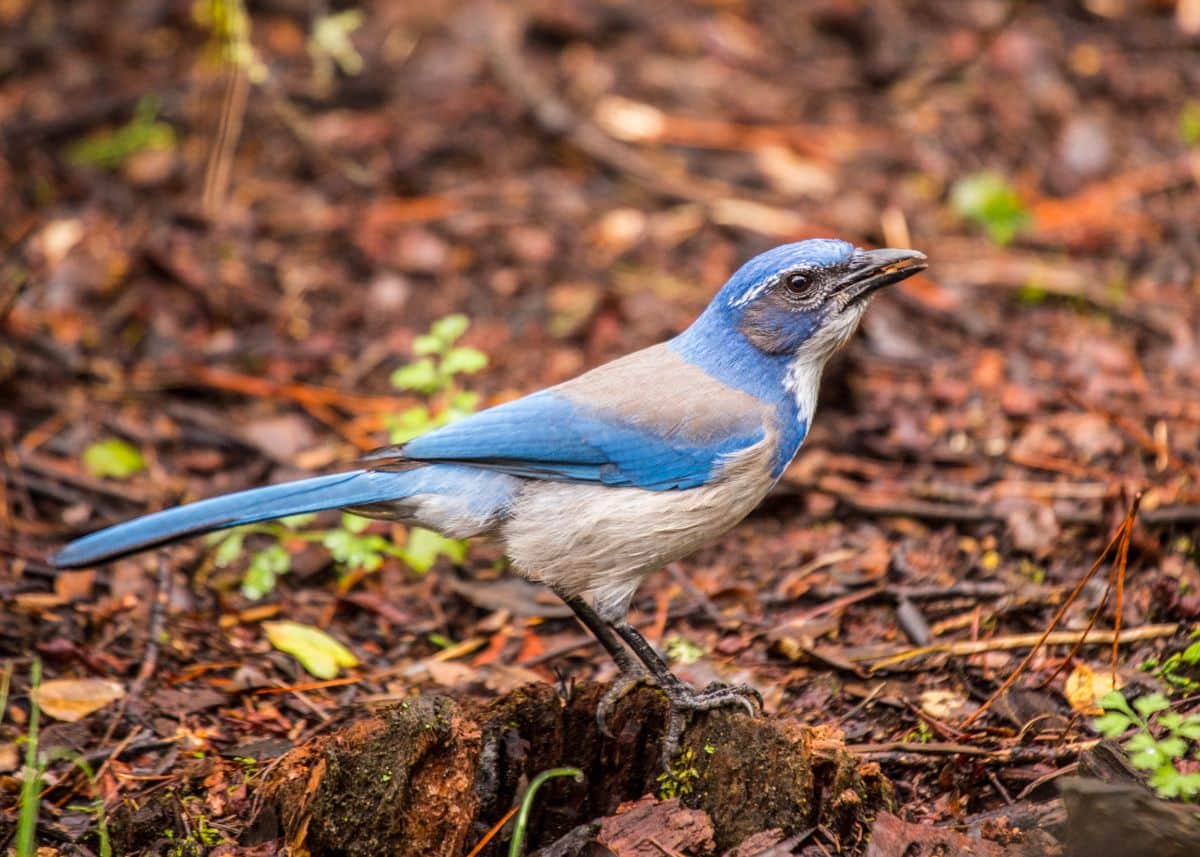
(617, 691)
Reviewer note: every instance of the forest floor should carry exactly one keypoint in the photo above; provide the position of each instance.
(219, 263)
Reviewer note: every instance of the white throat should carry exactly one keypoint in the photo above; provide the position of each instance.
(803, 378)
(803, 381)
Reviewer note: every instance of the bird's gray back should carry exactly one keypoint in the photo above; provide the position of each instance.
(658, 390)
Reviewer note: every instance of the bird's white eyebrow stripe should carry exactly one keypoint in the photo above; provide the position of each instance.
(742, 300)
(755, 292)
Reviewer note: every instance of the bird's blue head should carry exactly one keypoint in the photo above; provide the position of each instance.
(774, 324)
(808, 297)
(780, 317)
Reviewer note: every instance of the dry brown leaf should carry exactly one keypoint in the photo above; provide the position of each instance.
(1085, 686)
(72, 699)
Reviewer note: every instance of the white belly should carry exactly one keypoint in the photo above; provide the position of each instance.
(601, 542)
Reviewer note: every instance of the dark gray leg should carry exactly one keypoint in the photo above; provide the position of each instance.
(683, 698)
(632, 673)
(602, 632)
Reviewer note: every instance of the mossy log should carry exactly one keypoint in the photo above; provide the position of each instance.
(430, 776)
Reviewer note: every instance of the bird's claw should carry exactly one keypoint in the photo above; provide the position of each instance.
(682, 699)
(617, 691)
(718, 695)
(685, 699)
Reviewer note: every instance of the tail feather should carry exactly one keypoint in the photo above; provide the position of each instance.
(355, 488)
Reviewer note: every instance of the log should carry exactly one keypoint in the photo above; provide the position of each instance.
(430, 776)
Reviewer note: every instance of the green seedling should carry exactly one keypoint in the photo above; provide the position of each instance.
(109, 150)
(678, 780)
(989, 200)
(1157, 740)
(1179, 668)
(517, 845)
(352, 544)
(30, 803)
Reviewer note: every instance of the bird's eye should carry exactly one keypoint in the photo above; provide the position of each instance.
(796, 284)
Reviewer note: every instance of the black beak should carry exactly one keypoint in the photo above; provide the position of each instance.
(873, 269)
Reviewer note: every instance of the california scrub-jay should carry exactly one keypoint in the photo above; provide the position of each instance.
(594, 483)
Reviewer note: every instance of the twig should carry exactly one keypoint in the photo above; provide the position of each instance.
(505, 32)
(154, 630)
(229, 128)
(980, 509)
(1015, 641)
(1123, 534)
(42, 465)
(915, 752)
(492, 831)
(726, 204)
(304, 394)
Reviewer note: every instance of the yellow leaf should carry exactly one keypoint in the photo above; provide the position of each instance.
(1084, 686)
(72, 699)
(316, 651)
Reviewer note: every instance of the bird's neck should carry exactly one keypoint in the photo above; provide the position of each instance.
(789, 382)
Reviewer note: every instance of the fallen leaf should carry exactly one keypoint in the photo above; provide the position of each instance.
(74, 585)
(72, 699)
(942, 704)
(320, 654)
(10, 759)
(1085, 686)
(113, 458)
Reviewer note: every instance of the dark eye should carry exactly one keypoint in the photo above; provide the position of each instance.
(796, 284)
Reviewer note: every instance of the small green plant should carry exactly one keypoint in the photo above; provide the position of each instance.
(110, 149)
(1148, 717)
(988, 200)
(1031, 570)
(435, 373)
(34, 772)
(517, 844)
(96, 807)
(922, 733)
(679, 778)
(440, 361)
(680, 650)
(1174, 668)
(31, 783)
(330, 46)
(228, 27)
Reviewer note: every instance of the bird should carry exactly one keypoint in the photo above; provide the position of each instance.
(592, 484)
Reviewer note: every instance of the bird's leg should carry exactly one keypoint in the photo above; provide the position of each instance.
(632, 672)
(684, 698)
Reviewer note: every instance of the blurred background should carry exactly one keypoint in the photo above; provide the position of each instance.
(247, 240)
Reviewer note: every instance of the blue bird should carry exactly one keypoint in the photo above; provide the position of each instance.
(592, 484)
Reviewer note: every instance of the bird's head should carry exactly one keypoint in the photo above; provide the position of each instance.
(806, 298)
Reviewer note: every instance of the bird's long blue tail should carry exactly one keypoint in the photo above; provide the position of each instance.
(355, 488)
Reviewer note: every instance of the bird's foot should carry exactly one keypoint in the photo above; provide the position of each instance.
(682, 700)
(685, 699)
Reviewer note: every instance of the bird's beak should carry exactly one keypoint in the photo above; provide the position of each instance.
(870, 270)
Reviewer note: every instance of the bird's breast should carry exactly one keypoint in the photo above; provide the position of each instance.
(583, 537)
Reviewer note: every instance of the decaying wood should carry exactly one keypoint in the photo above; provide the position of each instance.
(1126, 820)
(430, 776)
(892, 837)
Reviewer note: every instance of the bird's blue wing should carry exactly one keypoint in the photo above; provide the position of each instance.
(644, 422)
